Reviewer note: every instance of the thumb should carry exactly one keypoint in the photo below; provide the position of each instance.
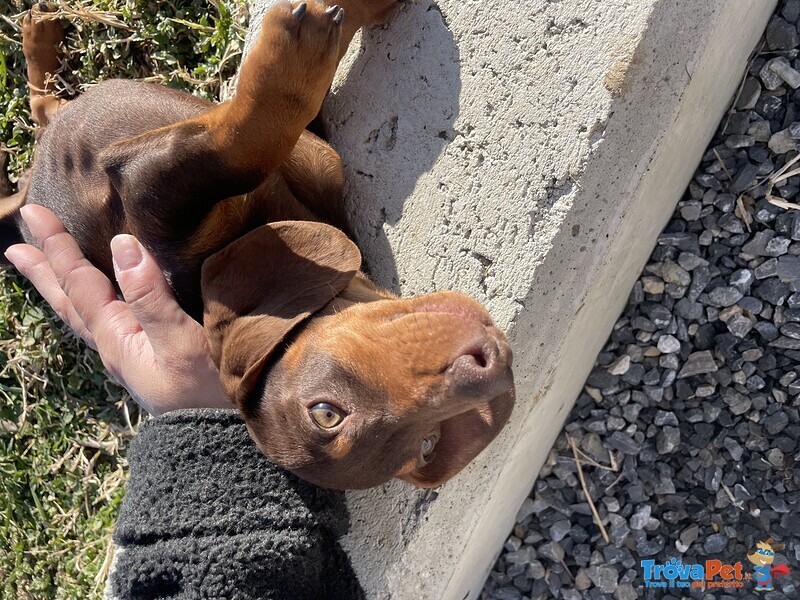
(146, 291)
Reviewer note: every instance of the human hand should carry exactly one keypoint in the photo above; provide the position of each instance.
(146, 342)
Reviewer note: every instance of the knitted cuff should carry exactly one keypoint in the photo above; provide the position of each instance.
(206, 515)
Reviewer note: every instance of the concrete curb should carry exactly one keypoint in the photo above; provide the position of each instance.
(529, 157)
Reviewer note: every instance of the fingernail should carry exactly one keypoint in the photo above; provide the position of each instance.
(9, 254)
(126, 252)
(24, 210)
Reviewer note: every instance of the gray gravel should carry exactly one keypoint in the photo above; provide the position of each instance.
(692, 412)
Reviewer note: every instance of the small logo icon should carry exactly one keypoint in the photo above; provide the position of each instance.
(762, 558)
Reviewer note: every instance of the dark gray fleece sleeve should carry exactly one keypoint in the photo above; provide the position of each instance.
(206, 515)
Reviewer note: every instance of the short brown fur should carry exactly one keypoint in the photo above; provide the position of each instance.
(242, 208)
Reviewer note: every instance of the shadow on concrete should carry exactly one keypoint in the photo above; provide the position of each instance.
(390, 117)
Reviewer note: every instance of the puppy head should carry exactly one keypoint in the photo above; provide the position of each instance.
(340, 382)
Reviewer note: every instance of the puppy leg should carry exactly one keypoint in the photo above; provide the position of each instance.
(40, 36)
(313, 173)
(169, 179)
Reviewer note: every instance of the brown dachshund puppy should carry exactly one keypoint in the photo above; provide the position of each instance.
(338, 381)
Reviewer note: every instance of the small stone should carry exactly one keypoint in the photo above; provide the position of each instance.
(689, 310)
(641, 517)
(724, 296)
(777, 246)
(769, 106)
(690, 261)
(733, 447)
(705, 391)
(758, 244)
(741, 140)
(781, 35)
(752, 305)
(552, 550)
(506, 593)
(525, 510)
(737, 403)
(767, 330)
(668, 440)
(559, 530)
(767, 269)
(668, 344)
(775, 457)
(786, 343)
(624, 443)
(689, 535)
(739, 325)
(690, 211)
(771, 80)
(582, 581)
(697, 364)
(783, 68)
(652, 285)
(751, 91)
(626, 591)
(604, 577)
(782, 142)
(745, 178)
(620, 366)
(788, 269)
(535, 570)
(775, 423)
(741, 280)
(791, 10)
(512, 544)
(682, 240)
(773, 291)
(760, 130)
(650, 547)
(715, 543)
(665, 418)
(673, 273)
(791, 330)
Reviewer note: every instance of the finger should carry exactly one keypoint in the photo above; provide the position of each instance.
(148, 294)
(32, 263)
(91, 293)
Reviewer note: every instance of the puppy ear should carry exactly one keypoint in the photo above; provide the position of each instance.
(462, 438)
(257, 289)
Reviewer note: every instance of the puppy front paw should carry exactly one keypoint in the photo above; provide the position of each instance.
(41, 33)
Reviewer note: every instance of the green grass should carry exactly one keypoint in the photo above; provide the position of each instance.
(63, 425)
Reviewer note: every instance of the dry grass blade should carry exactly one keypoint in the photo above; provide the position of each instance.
(782, 174)
(585, 488)
(198, 26)
(88, 15)
(744, 211)
(780, 202)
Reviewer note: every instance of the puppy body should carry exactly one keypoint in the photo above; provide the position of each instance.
(338, 380)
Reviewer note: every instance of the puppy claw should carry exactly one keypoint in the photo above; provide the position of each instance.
(337, 12)
(299, 12)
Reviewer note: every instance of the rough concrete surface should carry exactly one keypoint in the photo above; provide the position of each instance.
(527, 154)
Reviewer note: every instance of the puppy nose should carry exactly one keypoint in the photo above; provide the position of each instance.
(482, 369)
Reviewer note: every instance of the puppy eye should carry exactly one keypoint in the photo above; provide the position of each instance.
(326, 415)
(428, 445)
